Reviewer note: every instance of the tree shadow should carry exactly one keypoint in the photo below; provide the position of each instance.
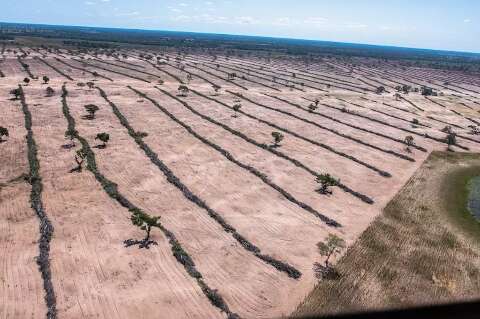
(325, 272)
(100, 146)
(144, 243)
(68, 146)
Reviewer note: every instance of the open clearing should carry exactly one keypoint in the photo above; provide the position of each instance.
(241, 218)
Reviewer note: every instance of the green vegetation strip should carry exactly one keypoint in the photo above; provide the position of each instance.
(26, 67)
(171, 178)
(112, 190)
(46, 227)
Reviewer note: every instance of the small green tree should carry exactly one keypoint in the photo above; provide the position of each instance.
(183, 89)
(326, 181)
(380, 89)
(3, 132)
(90, 85)
(312, 107)
(277, 138)
(409, 141)
(331, 246)
(145, 222)
(26, 80)
(46, 79)
(91, 110)
(50, 91)
(104, 138)
(236, 108)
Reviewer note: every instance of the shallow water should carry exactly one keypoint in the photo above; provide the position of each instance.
(474, 197)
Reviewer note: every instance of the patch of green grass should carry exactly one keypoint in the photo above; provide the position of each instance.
(455, 198)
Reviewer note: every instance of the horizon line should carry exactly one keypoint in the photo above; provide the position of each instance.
(250, 35)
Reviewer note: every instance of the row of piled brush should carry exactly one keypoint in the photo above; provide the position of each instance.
(112, 190)
(46, 227)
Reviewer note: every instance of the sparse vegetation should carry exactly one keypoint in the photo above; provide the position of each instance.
(3, 132)
(236, 108)
(326, 181)
(277, 138)
(409, 141)
(104, 138)
(91, 110)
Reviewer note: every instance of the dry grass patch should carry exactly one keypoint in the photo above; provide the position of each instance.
(424, 249)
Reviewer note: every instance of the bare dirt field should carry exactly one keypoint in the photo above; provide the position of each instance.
(240, 217)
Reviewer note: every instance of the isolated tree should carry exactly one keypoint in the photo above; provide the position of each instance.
(46, 79)
(79, 159)
(326, 181)
(316, 102)
(50, 91)
(91, 109)
(3, 132)
(183, 89)
(312, 107)
(277, 138)
(90, 85)
(232, 76)
(451, 140)
(331, 246)
(380, 89)
(16, 93)
(415, 122)
(95, 74)
(104, 138)
(236, 108)
(447, 129)
(409, 141)
(145, 222)
(398, 97)
(189, 77)
(26, 80)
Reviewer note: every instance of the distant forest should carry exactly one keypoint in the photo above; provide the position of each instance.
(111, 37)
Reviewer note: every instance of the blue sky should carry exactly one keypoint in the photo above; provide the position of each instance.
(435, 24)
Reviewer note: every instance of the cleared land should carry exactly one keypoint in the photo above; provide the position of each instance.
(240, 218)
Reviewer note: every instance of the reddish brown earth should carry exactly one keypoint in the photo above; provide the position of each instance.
(95, 276)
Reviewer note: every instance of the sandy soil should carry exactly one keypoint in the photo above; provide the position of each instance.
(95, 276)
